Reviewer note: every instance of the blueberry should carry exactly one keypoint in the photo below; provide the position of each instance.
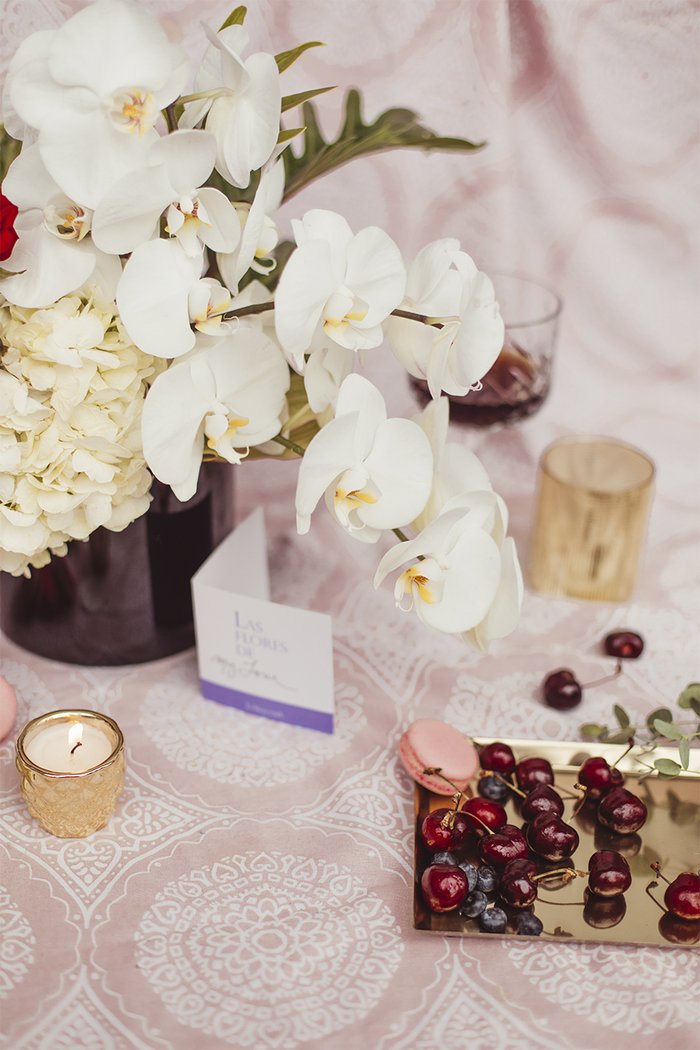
(473, 905)
(492, 788)
(443, 858)
(486, 879)
(528, 924)
(493, 920)
(471, 873)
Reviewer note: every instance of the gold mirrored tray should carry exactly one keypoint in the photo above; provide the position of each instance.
(670, 836)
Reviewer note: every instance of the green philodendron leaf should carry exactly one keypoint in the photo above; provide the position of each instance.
(9, 149)
(690, 693)
(695, 705)
(662, 713)
(285, 59)
(667, 767)
(290, 101)
(684, 752)
(667, 729)
(591, 730)
(623, 719)
(393, 129)
(236, 18)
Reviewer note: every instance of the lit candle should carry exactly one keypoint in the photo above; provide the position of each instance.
(68, 747)
(71, 765)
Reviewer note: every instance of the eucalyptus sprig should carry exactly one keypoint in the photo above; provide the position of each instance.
(658, 727)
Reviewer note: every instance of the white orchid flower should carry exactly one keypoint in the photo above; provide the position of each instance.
(461, 573)
(54, 254)
(242, 107)
(444, 282)
(457, 470)
(227, 398)
(162, 299)
(93, 90)
(258, 231)
(336, 286)
(324, 373)
(375, 472)
(172, 177)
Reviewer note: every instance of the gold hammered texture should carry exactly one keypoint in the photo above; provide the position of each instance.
(73, 806)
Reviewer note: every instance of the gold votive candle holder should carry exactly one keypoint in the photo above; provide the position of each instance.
(71, 766)
(591, 518)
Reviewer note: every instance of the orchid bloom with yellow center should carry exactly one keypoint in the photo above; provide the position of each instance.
(336, 286)
(91, 112)
(461, 573)
(374, 472)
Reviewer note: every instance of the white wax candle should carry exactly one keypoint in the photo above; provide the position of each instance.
(68, 747)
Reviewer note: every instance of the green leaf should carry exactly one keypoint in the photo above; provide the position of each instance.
(695, 704)
(9, 149)
(236, 18)
(285, 59)
(690, 693)
(591, 730)
(667, 767)
(684, 752)
(617, 738)
(664, 713)
(290, 101)
(623, 719)
(393, 129)
(289, 133)
(667, 729)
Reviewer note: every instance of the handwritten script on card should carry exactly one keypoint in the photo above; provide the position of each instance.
(254, 654)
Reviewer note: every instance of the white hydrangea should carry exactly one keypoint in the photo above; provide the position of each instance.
(72, 387)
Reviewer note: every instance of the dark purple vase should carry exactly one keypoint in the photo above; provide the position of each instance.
(123, 597)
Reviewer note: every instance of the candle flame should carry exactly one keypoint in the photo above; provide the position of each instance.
(75, 735)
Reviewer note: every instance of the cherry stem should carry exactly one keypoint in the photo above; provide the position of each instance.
(648, 889)
(437, 772)
(606, 678)
(630, 745)
(656, 868)
(569, 873)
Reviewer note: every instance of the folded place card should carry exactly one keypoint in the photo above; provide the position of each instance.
(256, 655)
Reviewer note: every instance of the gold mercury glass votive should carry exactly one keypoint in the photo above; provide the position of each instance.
(71, 766)
(591, 518)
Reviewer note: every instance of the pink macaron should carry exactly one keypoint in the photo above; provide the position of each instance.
(429, 744)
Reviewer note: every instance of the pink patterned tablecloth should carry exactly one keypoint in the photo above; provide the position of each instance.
(254, 888)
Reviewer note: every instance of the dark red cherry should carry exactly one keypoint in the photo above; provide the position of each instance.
(506, 844)
(550, 837)
(679, 931)
(609, 873)
(562, 690)
(603, 912)
(598, 777)
(542, 799)
(530, 772)
(498, 757)
(444, 829)
(516, 887)
(682, 897)
(492, 814)
(444, 887)
(625, 645)
(621, 811)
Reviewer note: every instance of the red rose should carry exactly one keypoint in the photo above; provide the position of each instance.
(8, 214)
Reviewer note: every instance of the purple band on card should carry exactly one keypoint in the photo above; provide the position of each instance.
(260, 705)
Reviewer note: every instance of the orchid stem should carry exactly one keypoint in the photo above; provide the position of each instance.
(245, 311)
(291, 445)
(402, 535)
(434, 322)
(170, 118)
